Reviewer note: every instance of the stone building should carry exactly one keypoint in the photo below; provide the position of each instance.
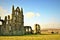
(14, 25)
(37, 29)
(28, 29)
(17, 21)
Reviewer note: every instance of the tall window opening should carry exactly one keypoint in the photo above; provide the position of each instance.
(0, 23)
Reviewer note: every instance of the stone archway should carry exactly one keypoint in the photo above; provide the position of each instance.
(1, 26)
(28, 29)
(2, 21)
(37, 28)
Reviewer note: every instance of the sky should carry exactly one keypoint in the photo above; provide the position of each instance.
(43, 12)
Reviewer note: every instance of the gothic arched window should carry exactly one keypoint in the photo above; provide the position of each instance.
(7, 22)
(0, 23)
(17, 13)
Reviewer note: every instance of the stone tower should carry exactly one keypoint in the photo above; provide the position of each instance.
(17, 21)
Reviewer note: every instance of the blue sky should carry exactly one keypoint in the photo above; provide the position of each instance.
(35, 11)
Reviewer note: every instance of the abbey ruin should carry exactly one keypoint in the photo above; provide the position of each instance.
(15, 25)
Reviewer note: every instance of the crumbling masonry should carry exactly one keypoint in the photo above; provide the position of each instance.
(15, 25)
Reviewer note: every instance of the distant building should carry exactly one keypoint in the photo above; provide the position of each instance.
(15, 25)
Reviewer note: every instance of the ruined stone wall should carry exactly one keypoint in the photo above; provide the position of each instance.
(17, 21)
(15, 25)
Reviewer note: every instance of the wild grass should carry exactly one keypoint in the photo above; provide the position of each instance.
(32, 37)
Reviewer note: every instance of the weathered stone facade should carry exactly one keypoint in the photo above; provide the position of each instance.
(37, 29)
(17, 21)
(15, 25)
(27, 29)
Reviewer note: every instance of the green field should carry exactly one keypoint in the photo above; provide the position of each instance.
(32, 37)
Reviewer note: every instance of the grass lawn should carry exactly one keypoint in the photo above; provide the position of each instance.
(32, 37)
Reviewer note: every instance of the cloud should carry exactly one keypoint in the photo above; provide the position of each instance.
(31, 18)
(31, 15)
(3, 12)
(37, 14)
